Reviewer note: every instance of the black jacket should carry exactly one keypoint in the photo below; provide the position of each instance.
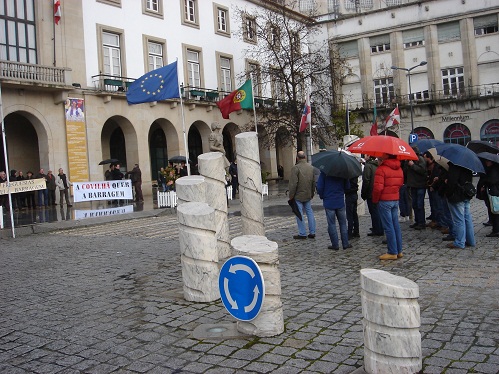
(456, 178)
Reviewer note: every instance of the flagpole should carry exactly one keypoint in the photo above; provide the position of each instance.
(254, 109)
(310, 125)
(400, 132)
(53, 29)
(183, 127)
(6, 165)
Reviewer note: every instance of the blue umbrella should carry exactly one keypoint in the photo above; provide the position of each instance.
(460, 156)
(425, 144)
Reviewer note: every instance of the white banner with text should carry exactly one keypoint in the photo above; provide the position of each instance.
(23, 186)
(83, 214)
(104, 190)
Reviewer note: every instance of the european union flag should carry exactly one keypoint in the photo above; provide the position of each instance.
(159, 84)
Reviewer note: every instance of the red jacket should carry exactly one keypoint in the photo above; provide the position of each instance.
(388, 179)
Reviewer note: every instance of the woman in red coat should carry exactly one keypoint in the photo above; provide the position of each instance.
(388, 179)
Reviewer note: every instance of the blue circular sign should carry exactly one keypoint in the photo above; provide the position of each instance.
(241, 287)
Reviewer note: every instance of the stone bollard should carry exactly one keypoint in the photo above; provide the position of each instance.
(198, 249)
(191, 188)
(211, 167)
(392, 341)
(250, 183)
(270, 320)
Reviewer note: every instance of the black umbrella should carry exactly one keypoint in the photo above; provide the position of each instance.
(479, 146)
(177, 159)
(494, 157)
(294, 208)
(109, 161)
(337, 164)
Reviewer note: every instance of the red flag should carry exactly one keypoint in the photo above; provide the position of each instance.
(57, 11)
(242, 98)
(374, 129)
(394, 118)
(305, 115)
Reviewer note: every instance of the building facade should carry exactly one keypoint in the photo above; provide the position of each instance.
(440, 56)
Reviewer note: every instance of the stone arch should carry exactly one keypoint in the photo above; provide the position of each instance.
(28, 141)
(457, 133)
(229, 133)
(163, 142)
(424, 133)
(119, 128)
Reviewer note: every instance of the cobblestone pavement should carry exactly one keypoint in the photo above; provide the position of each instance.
(105, 298)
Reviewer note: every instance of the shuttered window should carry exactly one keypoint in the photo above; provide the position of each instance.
(380, 43)
(348, 49)
(485, 24)
(413, 38)
(448, 32)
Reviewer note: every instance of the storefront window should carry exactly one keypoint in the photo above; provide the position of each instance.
(457, 133)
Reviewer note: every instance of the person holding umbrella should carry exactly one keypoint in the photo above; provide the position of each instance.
(490, 186)
(388, 179)
(459, 206)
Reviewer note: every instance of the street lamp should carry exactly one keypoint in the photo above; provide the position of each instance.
(408, 70)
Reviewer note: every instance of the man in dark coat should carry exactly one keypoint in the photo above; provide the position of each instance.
(136, 177)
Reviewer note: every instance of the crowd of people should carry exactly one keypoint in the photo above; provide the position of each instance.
(135, 175)
(39, 199)
(395, 192)
(168, 175)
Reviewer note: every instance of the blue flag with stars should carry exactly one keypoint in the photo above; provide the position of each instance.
(159, 84)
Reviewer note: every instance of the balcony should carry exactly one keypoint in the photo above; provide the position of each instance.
(15, 74)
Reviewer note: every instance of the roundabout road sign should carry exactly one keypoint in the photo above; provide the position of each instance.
(241, 287)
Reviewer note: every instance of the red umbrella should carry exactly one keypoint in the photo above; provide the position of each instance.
(377, 146)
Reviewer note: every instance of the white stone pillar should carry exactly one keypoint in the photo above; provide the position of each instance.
(198, 249)
(250, 183)
(392, 341)
(211, 167)
(191, 188)
(270, 320)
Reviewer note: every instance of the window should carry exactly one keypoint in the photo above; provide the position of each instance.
(275, 37)
(153, 8)
(295, 45)
(253, 70)
(307, 5)
(277, 84)
(448, 32)
(485, 25)
(490, 131)
(249, 28)
(225, 74)
(333, 6)
(383, 90)
(358, 4)
(413, 38)
(457, 133)
(18, 31)
(453, 81)
(154, 55)
(348, 49)
(111, 54)
(221, 14)
(190, 13)
(193, 68)
(423, 133)
(380, 43)
(393, 2)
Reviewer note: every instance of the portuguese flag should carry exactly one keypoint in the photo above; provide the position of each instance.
(241, 98)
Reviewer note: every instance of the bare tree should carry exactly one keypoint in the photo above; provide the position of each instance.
(292, 57)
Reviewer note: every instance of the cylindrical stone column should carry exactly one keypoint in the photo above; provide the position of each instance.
(270, 320)
(191, 188)
(249, 175)
(392, 341)
(211, 167)
(198, 249)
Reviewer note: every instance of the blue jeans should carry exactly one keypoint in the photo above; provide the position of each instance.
(375, 220)
(447, 218)
(388, 211)
(331, 215)
(404, 205)
(351, 209)
(307, 207)
(463, 224)
(45, 194)
(418, 205)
